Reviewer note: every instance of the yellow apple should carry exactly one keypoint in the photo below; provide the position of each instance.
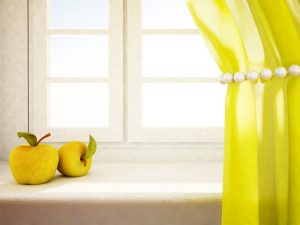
(75, 158)
(34, 163)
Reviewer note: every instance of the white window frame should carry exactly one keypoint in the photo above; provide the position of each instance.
(137, 133)
(125, 96)
(39, 80)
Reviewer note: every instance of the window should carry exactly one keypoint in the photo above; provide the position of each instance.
(77, 74)
(148, 78)
(174, 94)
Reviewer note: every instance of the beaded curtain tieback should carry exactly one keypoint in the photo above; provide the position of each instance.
(265, 74)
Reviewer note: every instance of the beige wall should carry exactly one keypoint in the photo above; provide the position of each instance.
(14, 78)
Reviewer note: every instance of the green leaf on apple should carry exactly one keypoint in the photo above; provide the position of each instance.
(92, 147)
(29, 137)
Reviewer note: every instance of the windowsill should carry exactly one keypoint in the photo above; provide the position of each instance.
(118, 194)
(124, 181)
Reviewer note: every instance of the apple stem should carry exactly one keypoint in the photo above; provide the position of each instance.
(42, 138)
(84, 161)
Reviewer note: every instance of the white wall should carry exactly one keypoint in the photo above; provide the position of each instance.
(14, 94)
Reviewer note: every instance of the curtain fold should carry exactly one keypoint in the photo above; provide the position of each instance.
(261, 184)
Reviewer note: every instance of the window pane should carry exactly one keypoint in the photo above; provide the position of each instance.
(78, 105)
(79, 14)
(177, 56)
(78, 55)
(166, 14)
(183, 105)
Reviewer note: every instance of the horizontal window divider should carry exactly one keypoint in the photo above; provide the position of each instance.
(78, 79)
(170, 31)
(78, 31)
(180, 79)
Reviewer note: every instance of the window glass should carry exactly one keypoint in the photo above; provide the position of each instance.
(78, 55)
(177, 56)
(183, 105)
(166, 14)
(75, 105)
(79, 14)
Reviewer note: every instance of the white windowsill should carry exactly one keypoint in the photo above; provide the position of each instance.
(124, 181)
(115, 193)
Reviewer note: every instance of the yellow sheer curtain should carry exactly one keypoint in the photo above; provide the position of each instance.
(262, 121)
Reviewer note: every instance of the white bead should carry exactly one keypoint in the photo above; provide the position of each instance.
(239, 77)
(226, 78)
(294, 70)
(252, 75)
(280, 71)
(266, 74)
